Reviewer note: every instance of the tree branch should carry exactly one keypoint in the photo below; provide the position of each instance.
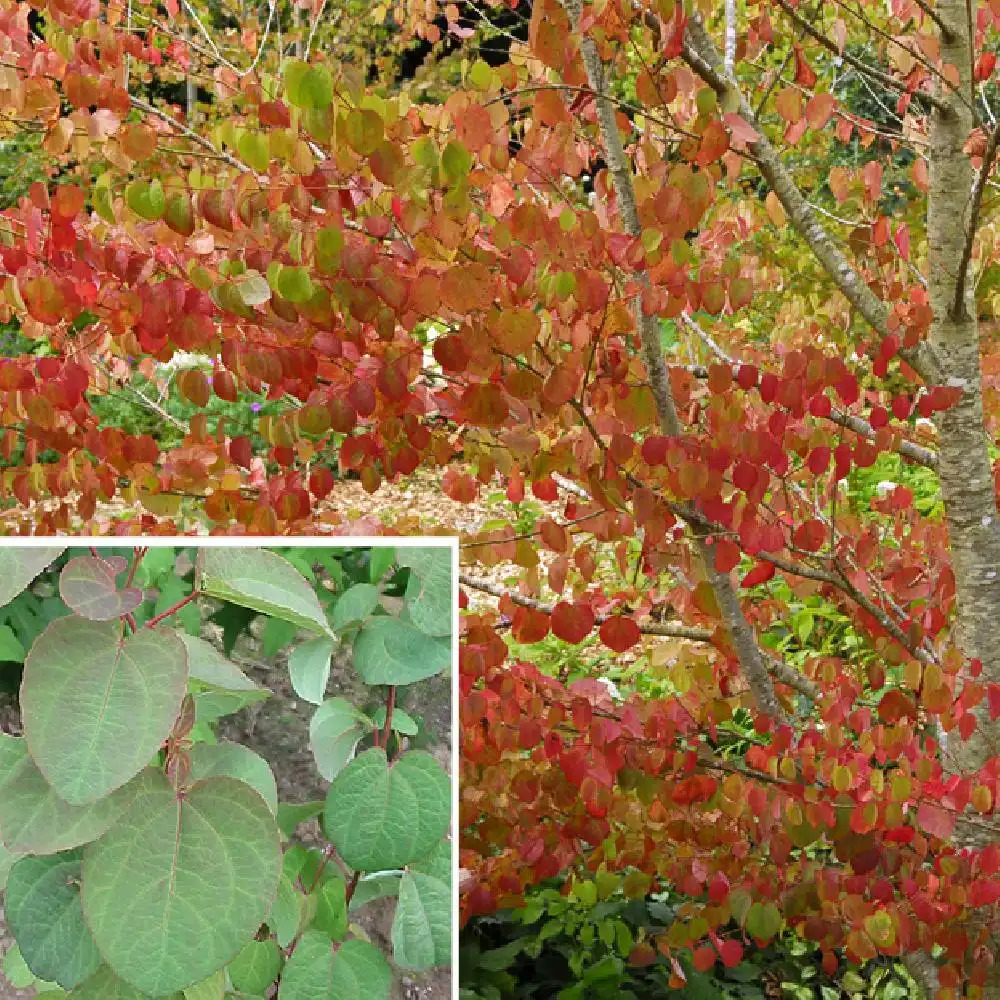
(741, 635)
(975, 207)
(783, 672)
(886, 79)
(700, 53)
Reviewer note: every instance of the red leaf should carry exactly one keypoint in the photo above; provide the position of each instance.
(761, 573)
(936, 820)
(620, 633)
(993, 699)
(703, 958)
(804, 73)
(727, 555)
(810, 535)
(572, 622)
(731, 953)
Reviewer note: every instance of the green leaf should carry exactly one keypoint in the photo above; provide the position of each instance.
(381, 558)
(381, 817)
(10, 646)
(363, 130)
(254, 149)
(15, 970)
(256, 966)
(211, 703)
(208, 665)
(234, 621)
(105, 985)
(329, 244)
(188, 619)
(262, 580)
(309, 669)
(401, 722)
(456, 161)
(276, 636)
(124, 693)
(34, 819)
(291, 814)
(421, 928)
(147, 199)
(763, 920)
(208, 864)
(390, 651)
(428, 592)
(354, 606)
(18, 567)
(235, 761)
(334, 731)
(286, 913)
(355, 971)
(480, 75)
(436, 862)
(331, 909)
(372, 887)
(295, 284)
(308, 86)
(212, 988)
(43, 911)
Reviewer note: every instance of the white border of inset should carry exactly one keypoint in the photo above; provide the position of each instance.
(318, 542)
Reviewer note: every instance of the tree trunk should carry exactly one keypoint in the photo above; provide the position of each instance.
(964, 465)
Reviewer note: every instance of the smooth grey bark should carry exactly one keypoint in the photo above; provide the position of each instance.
(751, 659)
(964, 465)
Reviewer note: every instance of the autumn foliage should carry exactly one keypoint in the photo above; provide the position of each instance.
(687, 359)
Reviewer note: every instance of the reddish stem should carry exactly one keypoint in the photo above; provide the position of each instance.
(136, 559)
(170, 611)
(130, 618)
(351, 886)
(390, 704)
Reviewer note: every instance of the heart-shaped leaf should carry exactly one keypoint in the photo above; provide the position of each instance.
(309, 669)
(256, 966)
(335, 730)
(421, 927)
(429, 590)
(235, 761)
(88, 585)
(124, 693)
(354, 606)
(355, 971)
(208, 864)
(390, 651)
(263, 581)
(19, 566)
(380, 816)
(34, 819)
(43, 910)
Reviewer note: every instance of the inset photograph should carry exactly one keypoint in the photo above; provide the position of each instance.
(226, 771)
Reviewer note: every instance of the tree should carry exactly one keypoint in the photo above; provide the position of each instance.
(688, 275)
